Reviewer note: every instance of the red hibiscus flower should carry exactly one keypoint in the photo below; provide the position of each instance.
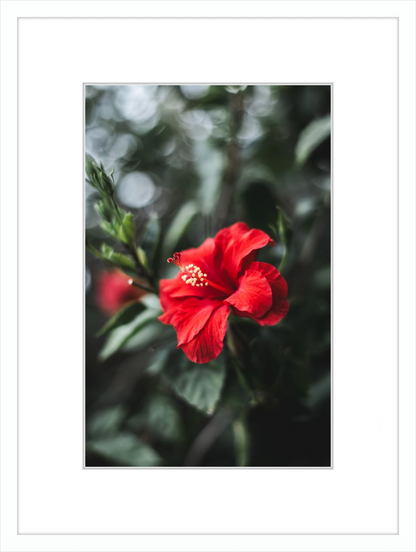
(114, 291)
(219, 276)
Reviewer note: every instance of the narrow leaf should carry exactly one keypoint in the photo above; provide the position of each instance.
(106, 421)
(108, 227)
(126, 449)
(150, 335)
(121, 334)
(311, 137)
(142, 257)
(122, 317)
(150, 239)
(115, 258)
(127, 230)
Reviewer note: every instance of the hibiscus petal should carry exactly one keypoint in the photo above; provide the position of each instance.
(224, 236)
(168, 316)
(236, 244)
(208, 343)
(175, 288)
(190, 317)
(268, 270)
(273, 276)
(254, 294)
(278, 311)
(278, 285)
(279, 308)
(203, 255)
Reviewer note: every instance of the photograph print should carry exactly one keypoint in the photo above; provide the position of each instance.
(207, 276)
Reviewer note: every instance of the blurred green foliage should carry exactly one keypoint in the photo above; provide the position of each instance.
(186, 161)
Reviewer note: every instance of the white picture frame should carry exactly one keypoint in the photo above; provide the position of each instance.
(50, 505)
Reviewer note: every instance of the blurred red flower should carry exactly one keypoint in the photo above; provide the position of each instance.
(114, 291)
(221, 275)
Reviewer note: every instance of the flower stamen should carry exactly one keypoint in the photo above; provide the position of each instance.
(193, 275)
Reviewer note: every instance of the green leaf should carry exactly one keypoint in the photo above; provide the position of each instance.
(311, 137)
(178, 227)
(103, 208)
(158, 361)
(122, 317)
(160, 417)
(151, 301)
(98, 178)
(90, 162)
(126, 449)
(151, 335)
(115, 258)
(107, 250)
(122, 261)
(106, 421)
(93, 172)
(109, 228)
(150, 239)
(127, 230)
(198, 384)
(95, 251)
(108, 254)
(121, 334)
(142, 257)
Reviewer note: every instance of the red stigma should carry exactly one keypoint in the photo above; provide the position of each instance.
(176, 259)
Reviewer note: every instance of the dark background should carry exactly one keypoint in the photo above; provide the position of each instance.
(189, 160)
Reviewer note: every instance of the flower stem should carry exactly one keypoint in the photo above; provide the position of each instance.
(284, 258)
(241, 441)
(145, 288)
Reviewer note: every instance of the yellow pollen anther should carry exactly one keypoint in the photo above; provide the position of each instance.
(193, 275)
